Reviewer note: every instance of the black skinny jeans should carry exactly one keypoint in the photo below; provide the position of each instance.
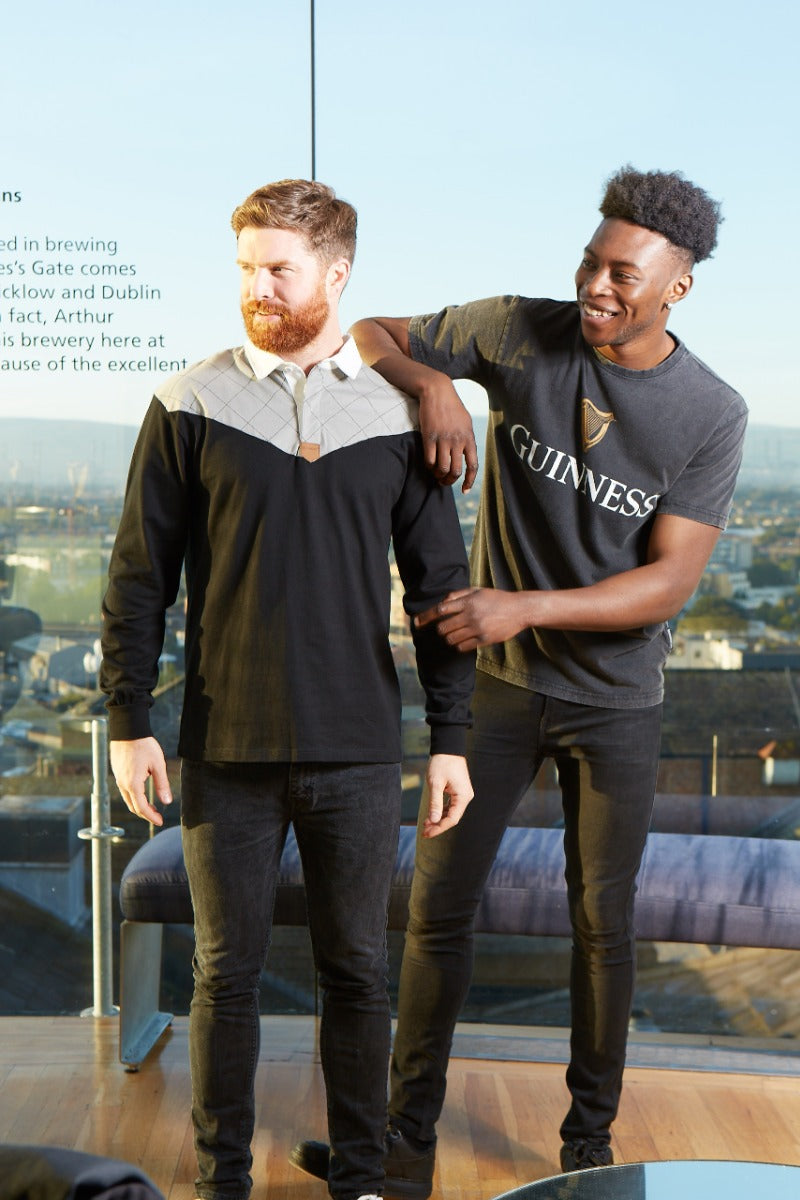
(235, 818)
(607, 762)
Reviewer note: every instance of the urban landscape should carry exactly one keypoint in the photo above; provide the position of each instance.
(730, 754)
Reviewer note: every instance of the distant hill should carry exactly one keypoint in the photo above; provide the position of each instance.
(771, 457)
(46, 453)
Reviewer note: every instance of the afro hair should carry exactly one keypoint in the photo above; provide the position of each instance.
(667, 203)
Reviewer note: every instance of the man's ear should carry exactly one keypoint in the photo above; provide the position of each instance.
(337, 276)
(679, 288)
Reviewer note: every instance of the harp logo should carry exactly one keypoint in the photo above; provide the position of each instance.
(595, 424)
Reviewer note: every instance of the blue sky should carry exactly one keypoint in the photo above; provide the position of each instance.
(473, 138)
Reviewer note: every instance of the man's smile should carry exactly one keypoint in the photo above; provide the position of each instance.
(596, 314)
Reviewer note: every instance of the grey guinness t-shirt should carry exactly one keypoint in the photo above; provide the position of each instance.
(581, 454)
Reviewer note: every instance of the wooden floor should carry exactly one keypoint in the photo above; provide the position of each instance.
(61, 1084)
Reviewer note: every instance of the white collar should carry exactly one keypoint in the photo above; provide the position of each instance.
(264, 362)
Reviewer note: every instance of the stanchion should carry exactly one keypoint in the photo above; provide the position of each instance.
(101, 835)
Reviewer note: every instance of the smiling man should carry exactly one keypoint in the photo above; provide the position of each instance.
(611, 458)
(279, 471)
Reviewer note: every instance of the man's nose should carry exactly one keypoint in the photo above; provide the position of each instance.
(595, 282)
(261, 286)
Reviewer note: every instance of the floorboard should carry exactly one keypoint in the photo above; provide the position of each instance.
(61, 1084)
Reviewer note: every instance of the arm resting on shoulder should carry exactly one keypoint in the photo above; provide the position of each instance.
(445, 424)
(677, 553)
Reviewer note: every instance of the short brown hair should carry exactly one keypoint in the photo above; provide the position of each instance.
(306, 207)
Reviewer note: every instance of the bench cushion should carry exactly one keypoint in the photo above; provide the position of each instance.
(727, 891)
(154, 886)
(692, 888)
(732, 891)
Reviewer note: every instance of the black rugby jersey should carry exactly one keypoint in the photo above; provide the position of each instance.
(288, 578)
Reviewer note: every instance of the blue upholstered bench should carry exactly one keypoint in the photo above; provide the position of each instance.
(730, 891)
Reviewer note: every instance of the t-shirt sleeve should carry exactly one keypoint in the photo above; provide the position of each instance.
(463, 341)
(704, 490)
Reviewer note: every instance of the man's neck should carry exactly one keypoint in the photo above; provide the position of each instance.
(639, 357)
(325, 345)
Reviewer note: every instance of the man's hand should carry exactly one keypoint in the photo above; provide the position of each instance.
(448, 438)
(449, 793)
(477, 617)
(132, 764)
(445, 424)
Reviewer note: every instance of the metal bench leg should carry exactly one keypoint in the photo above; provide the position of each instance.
(140, 1022)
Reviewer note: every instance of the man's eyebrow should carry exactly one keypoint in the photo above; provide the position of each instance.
(618, 262)
(277, 262)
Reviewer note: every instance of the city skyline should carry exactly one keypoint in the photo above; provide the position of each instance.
(48, 452)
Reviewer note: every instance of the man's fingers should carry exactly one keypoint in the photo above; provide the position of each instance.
(425, 618)
(151, 814)
(436, 808)
(161, 784)
(458, 630)
(431, 450)
(471, 472)
(452, 605)
(452, 812)
(462, 636)
(450, 463)
(443, 456)
(437, 820)
(448, 457)
(138, 804)
(449, 793)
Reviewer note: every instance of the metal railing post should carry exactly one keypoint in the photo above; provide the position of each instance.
(101, 835)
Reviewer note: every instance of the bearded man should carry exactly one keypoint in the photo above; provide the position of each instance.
(279, 471)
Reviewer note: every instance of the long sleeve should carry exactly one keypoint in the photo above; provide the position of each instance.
(431, 559)
(144, 573)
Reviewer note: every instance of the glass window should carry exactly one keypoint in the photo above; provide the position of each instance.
(475, 147)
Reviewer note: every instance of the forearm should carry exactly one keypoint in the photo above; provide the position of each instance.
(643, 596)
(678, 550)
(129, 669)
(448, 680)
(383, 344)
(142, 585)
(677, 553)
(446, 675)
(430, 555)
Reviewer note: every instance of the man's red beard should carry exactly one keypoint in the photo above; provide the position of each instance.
(296, 328)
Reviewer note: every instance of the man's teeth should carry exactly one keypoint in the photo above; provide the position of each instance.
(596, 312)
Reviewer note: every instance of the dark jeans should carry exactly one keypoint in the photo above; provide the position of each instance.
(235, 818)
(607, 761)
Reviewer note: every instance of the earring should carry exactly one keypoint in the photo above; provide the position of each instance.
(668, 305)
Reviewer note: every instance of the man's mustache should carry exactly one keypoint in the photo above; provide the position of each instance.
(264, 310)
